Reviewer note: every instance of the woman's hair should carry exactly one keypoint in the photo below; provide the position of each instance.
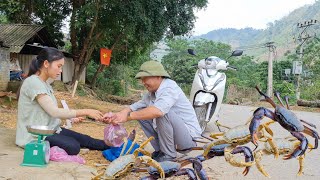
(50, 54)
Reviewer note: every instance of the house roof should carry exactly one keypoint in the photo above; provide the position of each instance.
(16, 36)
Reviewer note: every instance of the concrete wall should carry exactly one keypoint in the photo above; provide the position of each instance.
(67, 69)
(4, 68)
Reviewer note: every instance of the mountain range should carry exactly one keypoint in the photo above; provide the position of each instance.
(283, 33)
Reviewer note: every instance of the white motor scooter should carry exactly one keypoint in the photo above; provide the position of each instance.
(208, 90)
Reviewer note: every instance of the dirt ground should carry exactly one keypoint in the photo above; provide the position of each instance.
(216, 168)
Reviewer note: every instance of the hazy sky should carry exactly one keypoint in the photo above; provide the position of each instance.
(243, 13)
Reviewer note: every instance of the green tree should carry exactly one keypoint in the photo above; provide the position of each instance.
(45, 12)
(126, 26)
(129, 24)
(182, 66)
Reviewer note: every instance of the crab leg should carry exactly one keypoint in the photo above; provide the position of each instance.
(153, 163)
(125, 140)
(187, 171)
(277, 94)
(132, 144)
(267, 98)
(148, 178)
(286, 98)
(97, 177)
(301, 165)
(267, 134)
(142, 145)
(310, 124)
(207, 147)
(219, 124)
(301, 149)
(258, 157)
(216, 135)
(312, 133)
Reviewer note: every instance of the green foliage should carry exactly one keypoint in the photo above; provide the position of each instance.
(45, 12)
(311, 92)
(118, 77)
(81, 92)
(311, 61)
(3, 18)
(180, 65)
(249, 73)
(282, 32)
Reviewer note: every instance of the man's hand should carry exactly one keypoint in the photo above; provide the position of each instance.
(107, 117)
(119, 117)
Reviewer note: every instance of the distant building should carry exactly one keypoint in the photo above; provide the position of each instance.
(25, 41)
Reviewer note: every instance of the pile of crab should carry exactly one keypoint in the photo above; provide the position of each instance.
(233, 140)
(228, 144)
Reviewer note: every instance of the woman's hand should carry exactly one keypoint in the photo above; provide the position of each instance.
(107, 117)
(77, 119)
(95, 114)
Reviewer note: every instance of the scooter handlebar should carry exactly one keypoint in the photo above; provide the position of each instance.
(232, 68)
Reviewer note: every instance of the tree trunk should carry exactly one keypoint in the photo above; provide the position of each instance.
(95, 76)
(78, 70)
(301, 102)
(81, 55)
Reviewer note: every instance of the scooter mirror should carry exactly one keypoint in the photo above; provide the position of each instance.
(237, 53)
(191, 51)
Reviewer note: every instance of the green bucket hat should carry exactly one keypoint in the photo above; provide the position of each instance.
(152, 68)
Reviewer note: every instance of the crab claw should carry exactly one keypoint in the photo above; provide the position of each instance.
(197, 166)
(186, 171)
(246, 171)
(249, 159)
(258, 115)
(255, 122)
(201, 157)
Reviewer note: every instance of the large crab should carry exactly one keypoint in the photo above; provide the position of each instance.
(288, 120)
(240, 135)
(285, 146)
(123, 165)
(229, 145)
(175, 169)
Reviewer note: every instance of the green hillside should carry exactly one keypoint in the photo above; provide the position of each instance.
(282, 32)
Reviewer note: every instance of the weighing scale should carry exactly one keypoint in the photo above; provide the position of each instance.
(37, 152)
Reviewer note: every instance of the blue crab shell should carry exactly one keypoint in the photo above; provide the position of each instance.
(120, 166)
(167, 166)
(238, 135)
(288, 119)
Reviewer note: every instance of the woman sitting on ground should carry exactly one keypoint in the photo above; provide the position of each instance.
(37, 105)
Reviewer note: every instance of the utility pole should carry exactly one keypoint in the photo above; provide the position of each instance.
(271, 49)
(272, 52)
(302, 38)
